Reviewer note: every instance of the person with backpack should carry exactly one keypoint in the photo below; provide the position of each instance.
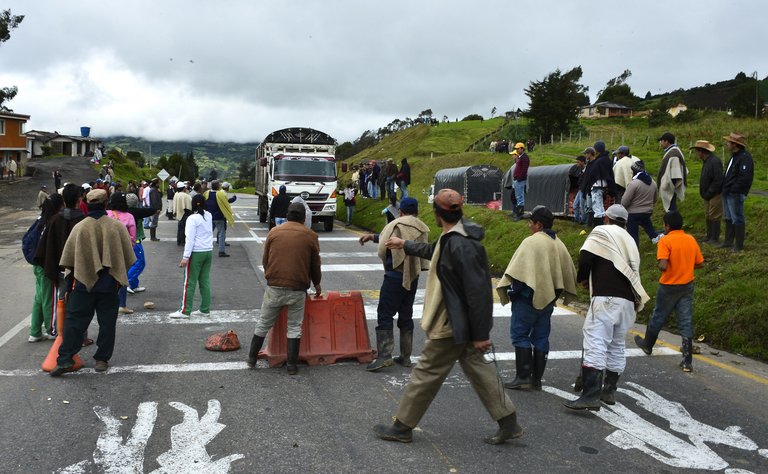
(42, 305)
(119, 211)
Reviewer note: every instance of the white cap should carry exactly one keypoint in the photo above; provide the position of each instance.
(181, 185)
(86, 186)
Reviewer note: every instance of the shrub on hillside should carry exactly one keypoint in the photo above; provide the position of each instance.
(241, 183)
(472, 117)
(687, 116)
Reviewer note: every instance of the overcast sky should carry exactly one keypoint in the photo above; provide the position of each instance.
(240, 69)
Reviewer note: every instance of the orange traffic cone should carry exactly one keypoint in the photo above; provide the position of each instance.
(50, 360)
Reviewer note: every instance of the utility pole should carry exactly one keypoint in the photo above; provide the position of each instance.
(757, 92)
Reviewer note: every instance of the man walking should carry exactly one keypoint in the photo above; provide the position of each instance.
(609, 265)
(622, 170)
(738, 179)
(540, 272)
(97, 254)
(678, 255)
(673, 174)
(217, 203)
(154, 200)
(457, 318)
(291, 262)
(710, 188)
(520, 179)
(639, 201)
(398, 291)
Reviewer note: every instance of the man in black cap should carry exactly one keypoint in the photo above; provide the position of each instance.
(457, 318)
(599, 180)
(609, 265)
(738, 179)
(540, 272)
(673, 174)
(710, 188)
(401, 280)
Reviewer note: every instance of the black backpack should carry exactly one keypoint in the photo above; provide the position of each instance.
(30, 240)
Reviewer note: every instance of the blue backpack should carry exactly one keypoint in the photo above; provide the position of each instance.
(30, 240)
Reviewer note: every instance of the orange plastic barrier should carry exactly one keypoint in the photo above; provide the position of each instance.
(50, 360)
(334, 328)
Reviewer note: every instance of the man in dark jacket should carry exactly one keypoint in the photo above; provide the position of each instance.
(279, 207)
(599, 180)
(156, 203)
(404, 177)
(738, 179)
(710, 188)
(457, 318)
(520, 178)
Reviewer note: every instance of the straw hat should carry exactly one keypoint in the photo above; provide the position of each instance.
(704, 145)
(736, 138)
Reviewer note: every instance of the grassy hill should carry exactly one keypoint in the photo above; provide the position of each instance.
(729, 307)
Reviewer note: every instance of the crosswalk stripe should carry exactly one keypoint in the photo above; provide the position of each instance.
(229, 366)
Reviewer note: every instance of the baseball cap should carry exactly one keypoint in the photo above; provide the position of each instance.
(617, 213)
(96, 196)
(409, 205)
(667, 137)
(623, 149)
(599, 146)
(449, 200)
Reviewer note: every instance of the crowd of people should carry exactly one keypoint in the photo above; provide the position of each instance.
(457, 317)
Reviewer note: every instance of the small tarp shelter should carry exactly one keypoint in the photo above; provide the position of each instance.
(547, 185)
(479, 184)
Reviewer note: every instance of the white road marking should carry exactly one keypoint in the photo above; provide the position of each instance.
(230, 366)
(15, 330)
(188, 443)
(352, 267)
(634, 432)
(350, 255)
(338, 239)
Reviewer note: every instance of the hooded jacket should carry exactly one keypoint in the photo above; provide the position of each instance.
(52, 241)
(462, 270)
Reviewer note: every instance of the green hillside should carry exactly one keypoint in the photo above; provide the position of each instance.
(729, 306)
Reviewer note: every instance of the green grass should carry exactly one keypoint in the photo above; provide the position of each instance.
(729, 307)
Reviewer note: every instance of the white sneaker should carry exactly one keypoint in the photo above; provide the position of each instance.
(656, 239)
(124, 310)
(199, 313)
(48, 336)
(178, 315)
(138, 289)
(35, 339)
(129, 290)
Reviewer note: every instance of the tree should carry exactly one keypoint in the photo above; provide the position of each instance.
(618, 91)
(472, 117)
(8, 22)
(743, 101)
(247, 170)
(493, 111)
(555, 102)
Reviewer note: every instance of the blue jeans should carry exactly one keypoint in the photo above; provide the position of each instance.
(391, 187)
(393, 298)
(280, 220)
(520, 192)
(598, 206)
(529, 326)
(373, 190)
(733, 207)
(220, 228)
(137, 267)
(579, 208)
(122, 295)
(677, 298)
(404, 189)
(635, 221)
(350, 211)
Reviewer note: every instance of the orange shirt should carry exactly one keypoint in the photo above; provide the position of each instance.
(682, 252)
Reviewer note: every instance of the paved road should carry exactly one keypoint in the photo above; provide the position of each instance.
(169, 404)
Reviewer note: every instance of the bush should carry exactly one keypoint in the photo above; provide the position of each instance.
(241, 183)
(687, 116)
(47, 150)
(472, 117)
(658, 117)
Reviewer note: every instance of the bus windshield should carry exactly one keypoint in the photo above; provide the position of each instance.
(305, 169)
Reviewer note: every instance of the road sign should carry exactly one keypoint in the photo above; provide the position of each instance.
(162, 174)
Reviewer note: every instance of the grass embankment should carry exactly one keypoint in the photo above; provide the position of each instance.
(729, 307)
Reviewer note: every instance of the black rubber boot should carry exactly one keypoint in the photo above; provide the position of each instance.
(385, 342)
(687, 363)
(395, 432)
(609, 387)
(406, 349)
(153, 234)
(729, 233)
(508, 429)
(253, 353)
(293, 355)
(646, 343)
(739, 231)
(539, 364)
(524, 366)
(715, 231)
(519, 210)
(590, 396)
(590, 219)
